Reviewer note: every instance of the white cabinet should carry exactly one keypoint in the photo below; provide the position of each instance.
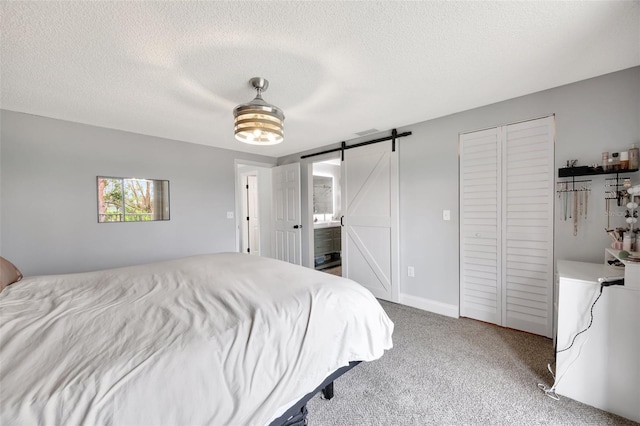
(602, 367)
(506, 225)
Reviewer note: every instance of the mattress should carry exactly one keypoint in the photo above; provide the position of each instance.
(216, 339)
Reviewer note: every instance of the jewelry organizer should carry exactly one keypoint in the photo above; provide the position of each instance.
(574, 200)
(573, 195)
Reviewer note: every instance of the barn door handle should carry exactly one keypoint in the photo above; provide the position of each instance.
(341, 222)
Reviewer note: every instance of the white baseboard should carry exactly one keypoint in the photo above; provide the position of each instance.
(429, 305)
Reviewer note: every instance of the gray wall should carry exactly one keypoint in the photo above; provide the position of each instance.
(48, 170)
(595, 115)
(49, 201)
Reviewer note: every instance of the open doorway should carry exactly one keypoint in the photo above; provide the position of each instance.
(253, 208)
(250, 218)
(326, 244)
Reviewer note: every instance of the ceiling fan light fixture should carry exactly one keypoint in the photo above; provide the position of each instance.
(257, 122)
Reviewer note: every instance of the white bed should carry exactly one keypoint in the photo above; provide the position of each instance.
(223, 339)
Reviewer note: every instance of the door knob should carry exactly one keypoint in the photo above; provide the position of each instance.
(297, 226)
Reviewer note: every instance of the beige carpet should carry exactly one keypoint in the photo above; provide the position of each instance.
(447, 371)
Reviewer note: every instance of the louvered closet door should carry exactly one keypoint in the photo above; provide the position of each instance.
(527, 239)
(480, 229)
(506, 225)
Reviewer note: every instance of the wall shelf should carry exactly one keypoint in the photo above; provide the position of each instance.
(589, 171)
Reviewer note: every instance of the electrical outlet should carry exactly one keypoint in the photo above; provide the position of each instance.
(411, 271)
(229, 215)
(446, 214)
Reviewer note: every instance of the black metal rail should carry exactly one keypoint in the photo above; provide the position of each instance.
(343, 146)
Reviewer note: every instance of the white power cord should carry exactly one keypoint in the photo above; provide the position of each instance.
(551, 392)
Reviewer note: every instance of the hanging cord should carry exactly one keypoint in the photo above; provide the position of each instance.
(551, 392)
(590, 322)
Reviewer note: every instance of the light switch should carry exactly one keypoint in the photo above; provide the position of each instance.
(446, 214)
(229, 215)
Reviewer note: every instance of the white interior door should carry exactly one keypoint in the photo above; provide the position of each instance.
(250, 220)
(244, 218)
(253, 218)
(287, 221)
(370, 222)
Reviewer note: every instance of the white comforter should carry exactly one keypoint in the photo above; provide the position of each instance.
(224, 339)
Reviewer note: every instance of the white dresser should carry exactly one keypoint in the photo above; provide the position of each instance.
(602, 368)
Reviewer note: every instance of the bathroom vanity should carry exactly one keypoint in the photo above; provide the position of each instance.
(327, 245)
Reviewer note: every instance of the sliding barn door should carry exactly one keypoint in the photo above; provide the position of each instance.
(370, 208)
(506, 235)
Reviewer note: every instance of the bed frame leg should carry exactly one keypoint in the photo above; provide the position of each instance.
(327, 391)
(299, 419)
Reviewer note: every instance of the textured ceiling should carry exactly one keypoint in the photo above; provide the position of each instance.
(177, 69)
